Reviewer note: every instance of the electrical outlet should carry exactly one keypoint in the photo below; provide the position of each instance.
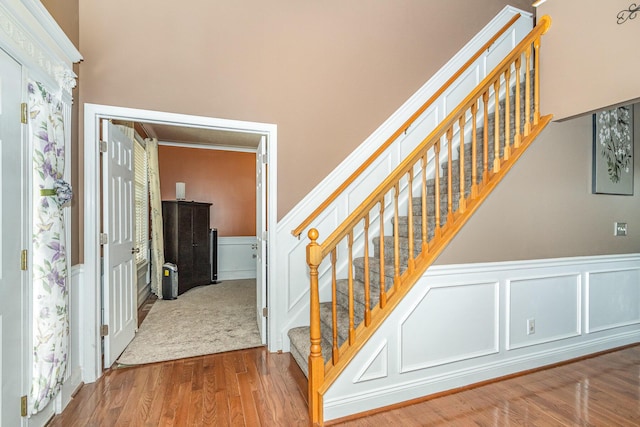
(531, 326)
(620, 229)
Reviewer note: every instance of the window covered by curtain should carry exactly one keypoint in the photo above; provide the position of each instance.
(50, 293)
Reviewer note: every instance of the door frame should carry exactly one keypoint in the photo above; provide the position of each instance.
(91, 312)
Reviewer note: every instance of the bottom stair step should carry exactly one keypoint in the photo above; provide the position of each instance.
(300, 348)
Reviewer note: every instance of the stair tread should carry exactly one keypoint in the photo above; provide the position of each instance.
(326, 317)
(301, 347)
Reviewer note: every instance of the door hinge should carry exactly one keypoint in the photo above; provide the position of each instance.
(265, 312)
(103, 146)
(264, 158)
(24, 260)
(23, 406)
(24, 113)
(104, 330)
(104, 239)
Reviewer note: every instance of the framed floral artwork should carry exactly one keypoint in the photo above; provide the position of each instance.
(613, 151)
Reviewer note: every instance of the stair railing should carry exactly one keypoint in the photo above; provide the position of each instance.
(491, 156)
(333, 196)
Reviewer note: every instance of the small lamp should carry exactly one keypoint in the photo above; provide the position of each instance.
(180, 190)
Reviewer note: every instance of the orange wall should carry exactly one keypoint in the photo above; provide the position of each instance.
(225, 178)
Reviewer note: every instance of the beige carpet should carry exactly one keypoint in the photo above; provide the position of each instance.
(204, 320)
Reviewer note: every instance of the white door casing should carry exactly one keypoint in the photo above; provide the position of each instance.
(119, 280)
(12, 295)
(261, 234)
(91, 301)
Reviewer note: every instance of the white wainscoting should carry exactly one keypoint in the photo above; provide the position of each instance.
(291, 300)
(236, 257)
(462, 324)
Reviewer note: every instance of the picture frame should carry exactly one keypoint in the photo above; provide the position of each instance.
(613, 139)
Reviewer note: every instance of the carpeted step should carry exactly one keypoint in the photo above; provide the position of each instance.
(374, 272)
(301, 347)
(403, 244)
(358, 295)
(326, 322)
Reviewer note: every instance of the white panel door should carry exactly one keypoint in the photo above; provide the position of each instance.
(261, 233)
(12, 301)
(119, 274)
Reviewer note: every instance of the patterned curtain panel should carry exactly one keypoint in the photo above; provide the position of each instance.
(157, 238)
(49, 258)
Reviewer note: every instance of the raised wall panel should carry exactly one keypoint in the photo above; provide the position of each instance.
(370, 179)
(552, 302)
(458, 92)
(613, 299)
(462, 320)
(499, 50)
(376, 366)
(419, 130)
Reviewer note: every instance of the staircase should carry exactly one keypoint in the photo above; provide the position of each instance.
(300, 336)
(414, 214)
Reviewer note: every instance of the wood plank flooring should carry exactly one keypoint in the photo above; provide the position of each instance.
(256, 388)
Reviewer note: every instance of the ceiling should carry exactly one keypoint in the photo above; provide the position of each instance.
(202, 136)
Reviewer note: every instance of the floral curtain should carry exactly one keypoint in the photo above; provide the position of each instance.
(49, 258)
(157, 238)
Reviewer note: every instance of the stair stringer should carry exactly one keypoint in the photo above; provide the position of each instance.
(423, 261)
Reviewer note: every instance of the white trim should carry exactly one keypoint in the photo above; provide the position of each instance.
(44, 18)
(381, 397)
(92, 114)
(31, 35)
(209, 147)
(346, 396)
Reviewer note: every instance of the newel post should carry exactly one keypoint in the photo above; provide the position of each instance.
(316, 362)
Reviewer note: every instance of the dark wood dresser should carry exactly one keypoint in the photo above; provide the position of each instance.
(186, 241)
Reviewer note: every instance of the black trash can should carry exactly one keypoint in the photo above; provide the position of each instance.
(169, 281)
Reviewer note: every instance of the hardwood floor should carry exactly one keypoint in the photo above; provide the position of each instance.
(256, 388)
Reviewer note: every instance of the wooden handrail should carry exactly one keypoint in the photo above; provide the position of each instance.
(404, 167)
(304, 224)
(322, 375)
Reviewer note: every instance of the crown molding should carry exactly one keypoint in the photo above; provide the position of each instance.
(30, 34)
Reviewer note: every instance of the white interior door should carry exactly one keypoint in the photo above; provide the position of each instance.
(119, 274)
(12, 303)
(261, 234)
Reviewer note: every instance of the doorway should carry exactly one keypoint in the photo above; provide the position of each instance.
(266, 133)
